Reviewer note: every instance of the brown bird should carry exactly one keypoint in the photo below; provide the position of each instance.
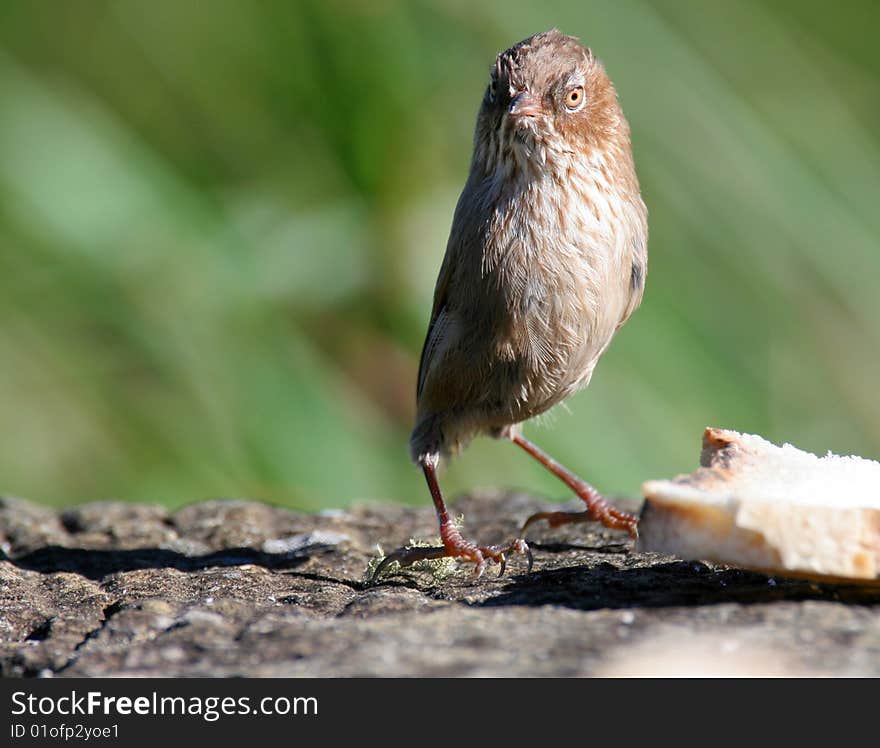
(546, 259)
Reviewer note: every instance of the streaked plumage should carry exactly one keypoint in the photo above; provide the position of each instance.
(539, 267)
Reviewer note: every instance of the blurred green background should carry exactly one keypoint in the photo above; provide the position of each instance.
(220, 225)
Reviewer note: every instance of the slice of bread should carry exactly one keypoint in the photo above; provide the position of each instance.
(776, 509)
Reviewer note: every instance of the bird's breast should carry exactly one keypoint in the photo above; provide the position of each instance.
(555, 272)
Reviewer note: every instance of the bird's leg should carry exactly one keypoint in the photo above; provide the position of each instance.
(454, 545)
(598, 509)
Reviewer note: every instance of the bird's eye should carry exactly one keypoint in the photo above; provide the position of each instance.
(574, 98)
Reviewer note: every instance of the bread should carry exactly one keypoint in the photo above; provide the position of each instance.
(776, 509)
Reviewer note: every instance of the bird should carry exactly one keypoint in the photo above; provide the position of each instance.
(546, 260)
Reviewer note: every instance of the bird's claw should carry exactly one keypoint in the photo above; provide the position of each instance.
(407, 556)
(520, 546)
(517, 546)
(608, 516)
(479, 555)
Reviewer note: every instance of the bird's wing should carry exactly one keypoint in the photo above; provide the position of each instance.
(439, 323)
(639, 266)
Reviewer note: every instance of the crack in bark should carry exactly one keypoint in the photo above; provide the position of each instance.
(108, 612)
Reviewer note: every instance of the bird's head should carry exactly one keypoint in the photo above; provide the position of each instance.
(548, 101)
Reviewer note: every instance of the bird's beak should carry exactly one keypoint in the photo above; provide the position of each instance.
(524, 105)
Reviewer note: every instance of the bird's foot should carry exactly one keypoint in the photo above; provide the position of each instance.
(457, 547)
(598, 510)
